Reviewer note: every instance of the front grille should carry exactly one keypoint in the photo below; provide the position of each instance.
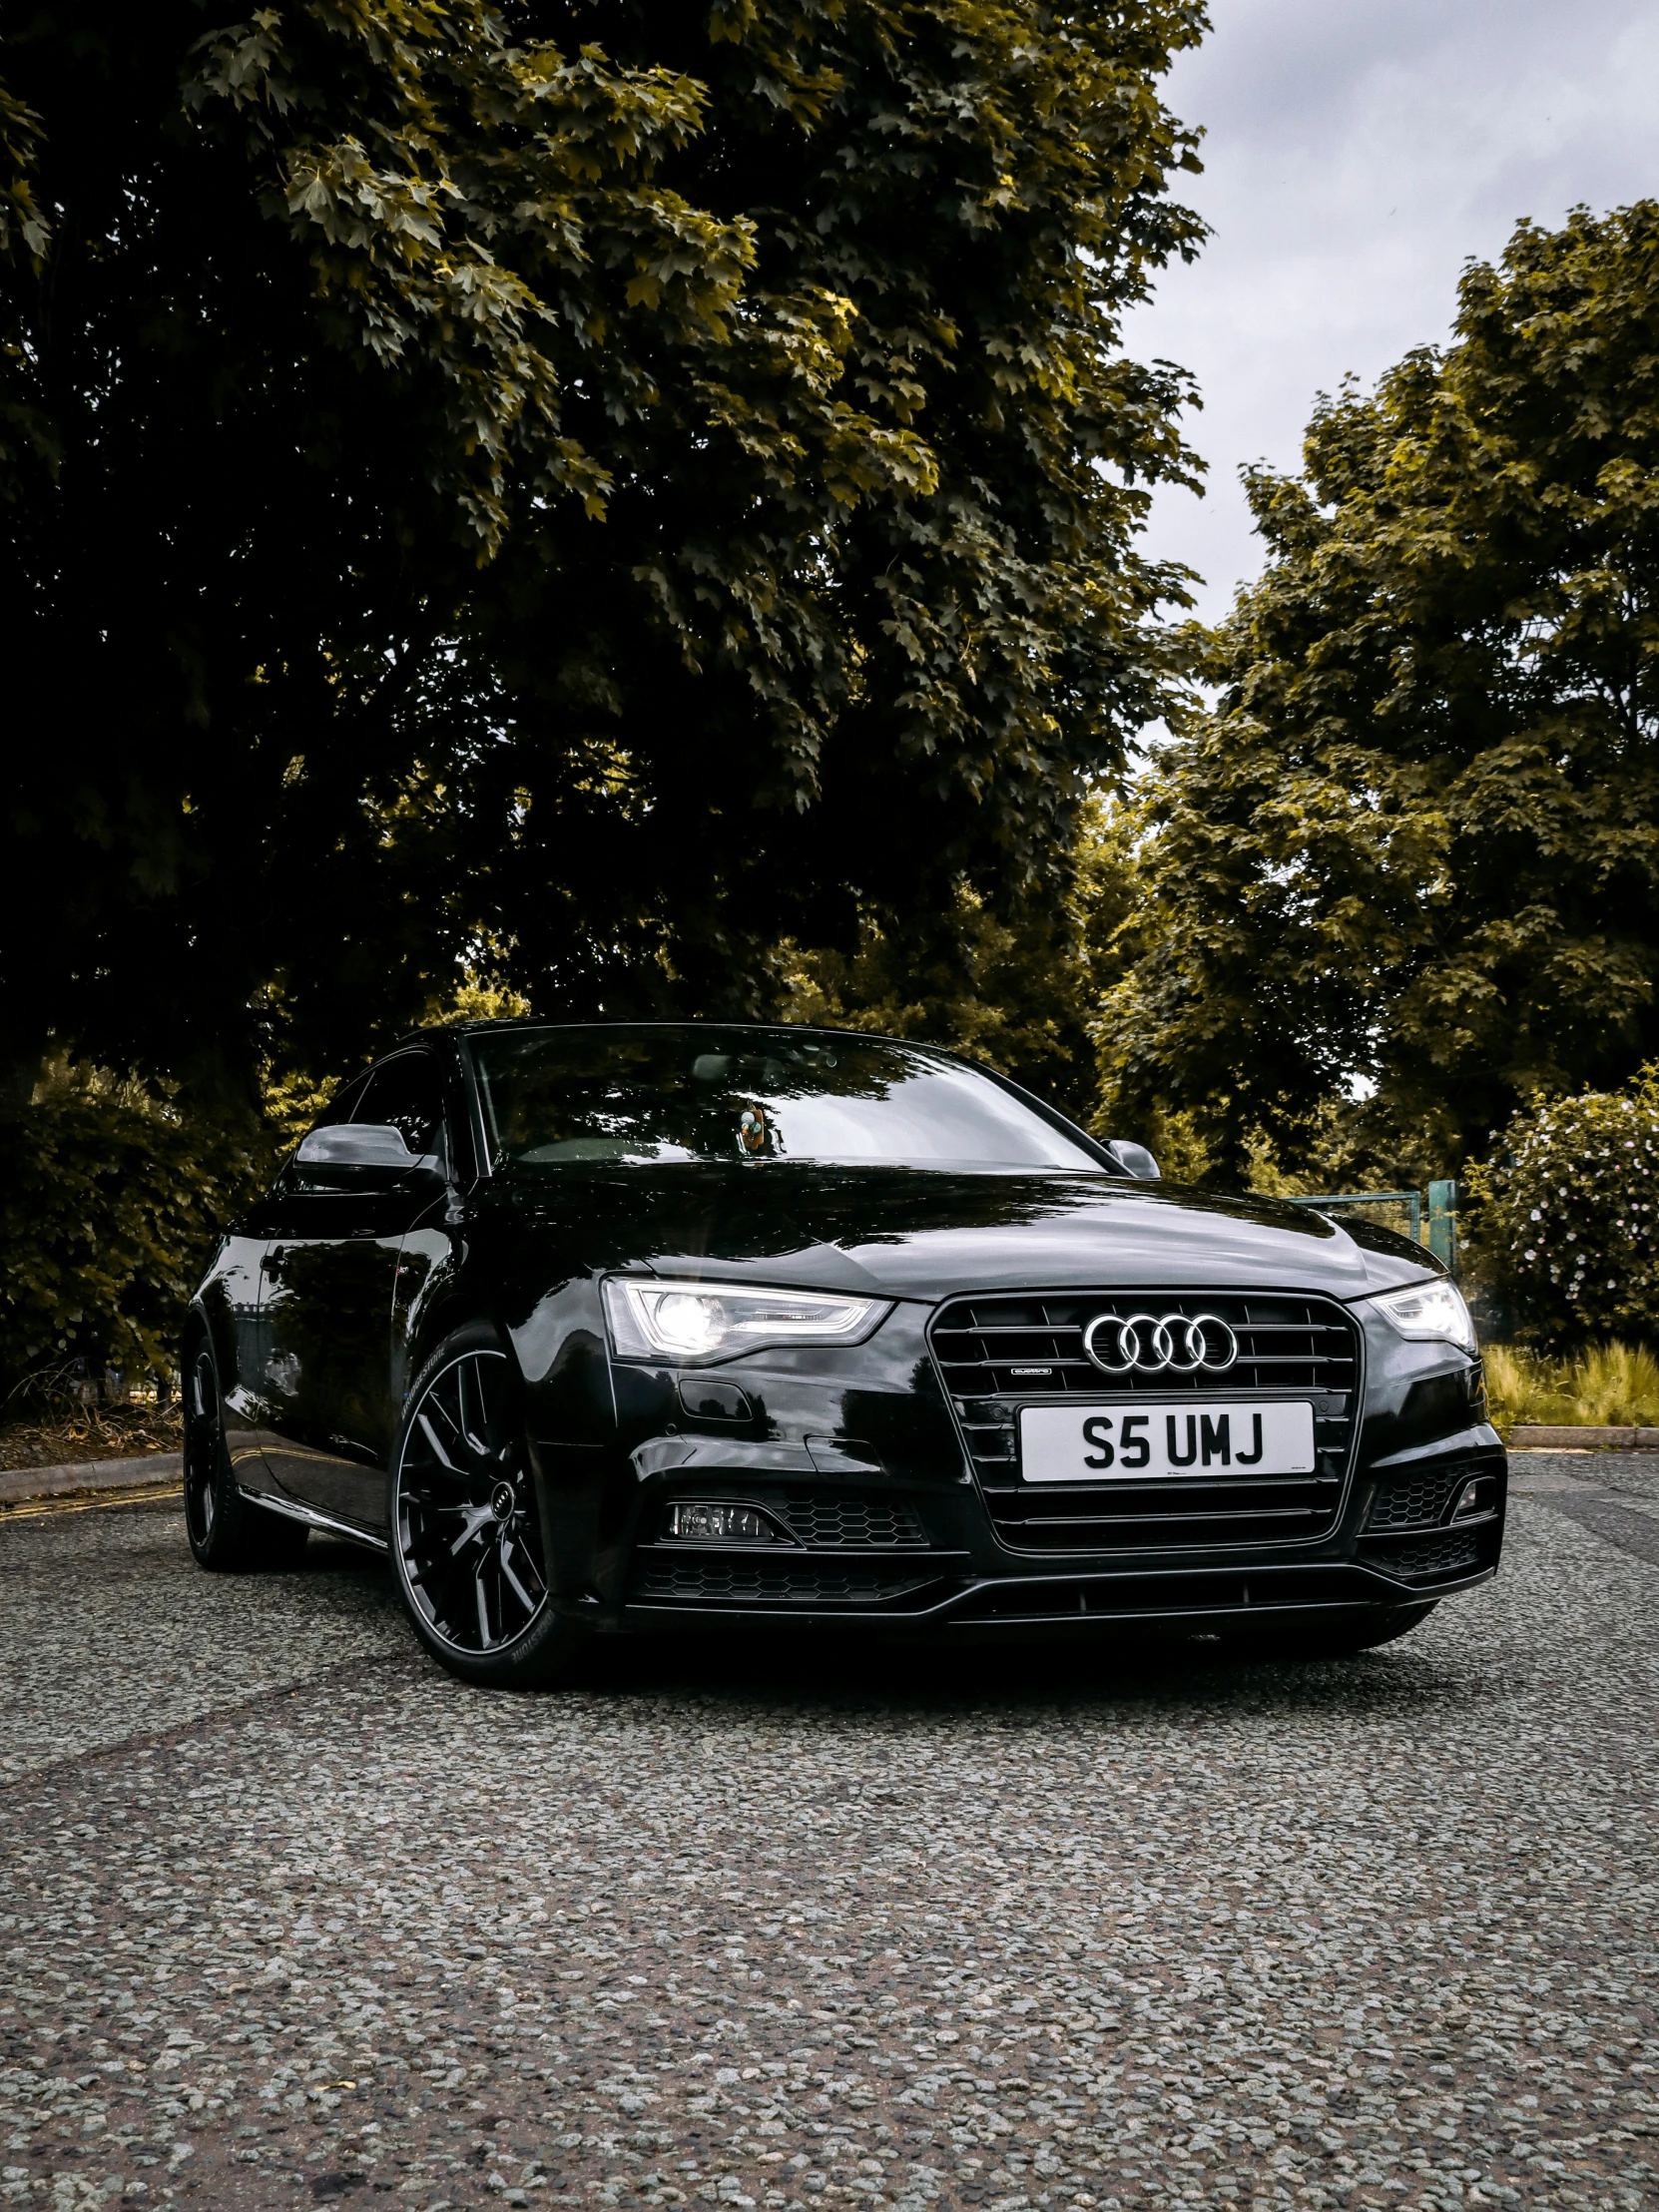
(1454, 1551)
(1003, 1351)
(775, 1581)
(1414, 1501)
(825, 1519)
(1030, 1347)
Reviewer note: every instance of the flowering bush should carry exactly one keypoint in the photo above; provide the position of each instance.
(1564, 1217)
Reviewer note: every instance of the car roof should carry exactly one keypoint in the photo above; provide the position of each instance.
(468, 1025)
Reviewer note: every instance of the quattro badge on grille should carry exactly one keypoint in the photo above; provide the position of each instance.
(1169, 1344)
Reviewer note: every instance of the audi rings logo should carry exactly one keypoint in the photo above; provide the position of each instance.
(1173, 1344)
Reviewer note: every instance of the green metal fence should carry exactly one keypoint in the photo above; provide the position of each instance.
(1439, 1216)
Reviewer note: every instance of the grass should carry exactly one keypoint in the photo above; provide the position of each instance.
(1612, 1386)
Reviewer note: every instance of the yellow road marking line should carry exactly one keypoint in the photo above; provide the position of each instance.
(31, 1507)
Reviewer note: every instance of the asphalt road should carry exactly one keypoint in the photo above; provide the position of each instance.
(287, 1917)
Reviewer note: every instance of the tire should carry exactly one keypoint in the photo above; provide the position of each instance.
(227, 1534)
(1332, 1640)
(465, 1527)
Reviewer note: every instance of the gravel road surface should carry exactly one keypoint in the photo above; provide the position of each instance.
(287, 1917)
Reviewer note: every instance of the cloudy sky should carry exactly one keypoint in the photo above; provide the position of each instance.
(1358, 152)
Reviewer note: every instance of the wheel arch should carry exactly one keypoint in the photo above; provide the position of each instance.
(199, 1323)
(449, 1314)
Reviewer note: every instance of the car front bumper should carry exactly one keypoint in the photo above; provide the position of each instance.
(974, 1583)
(890, 1511)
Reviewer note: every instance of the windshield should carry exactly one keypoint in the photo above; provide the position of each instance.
(553, 1098)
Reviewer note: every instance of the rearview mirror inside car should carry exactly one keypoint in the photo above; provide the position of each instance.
(364, 1144)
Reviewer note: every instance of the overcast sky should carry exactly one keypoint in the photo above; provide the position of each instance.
(1358, 151)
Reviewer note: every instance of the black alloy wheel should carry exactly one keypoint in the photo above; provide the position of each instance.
(227, 1534)
(466, 1533)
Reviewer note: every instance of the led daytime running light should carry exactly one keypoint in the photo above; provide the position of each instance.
(687, 1323)
(1428, 1313)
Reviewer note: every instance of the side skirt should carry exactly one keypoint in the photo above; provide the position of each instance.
(292, 1511)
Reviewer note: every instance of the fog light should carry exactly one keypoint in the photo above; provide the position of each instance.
(1475, 1497)
(719, 1524)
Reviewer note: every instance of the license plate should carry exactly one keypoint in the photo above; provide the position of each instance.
(1106, 1443)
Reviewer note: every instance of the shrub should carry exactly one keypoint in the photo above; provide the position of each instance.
(108, 1203)
(1564, 1220)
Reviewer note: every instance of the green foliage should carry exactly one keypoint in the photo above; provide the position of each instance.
(630, 488)
(1418, 841)
(1612, 1386)
(292, 1103)
(1564, 1220)
(109, 1204)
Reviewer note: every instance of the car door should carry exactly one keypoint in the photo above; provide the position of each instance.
(330, 1280)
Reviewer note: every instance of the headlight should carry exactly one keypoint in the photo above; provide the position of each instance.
(1430, 1311)
(692, 1322)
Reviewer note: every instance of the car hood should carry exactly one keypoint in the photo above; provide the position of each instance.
(917, 1233)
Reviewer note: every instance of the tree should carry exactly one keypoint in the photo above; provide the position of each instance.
(591, 491)
(288, 333)
(1020, 994)
(1415, 849)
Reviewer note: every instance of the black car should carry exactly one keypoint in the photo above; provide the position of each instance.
(614, 1327)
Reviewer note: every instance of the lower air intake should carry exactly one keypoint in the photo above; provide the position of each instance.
(774, 1582)
(830, 1518)
(1416, 1501)
(1452, 1551)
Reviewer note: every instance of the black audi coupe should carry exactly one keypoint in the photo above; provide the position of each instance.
(615, 1326)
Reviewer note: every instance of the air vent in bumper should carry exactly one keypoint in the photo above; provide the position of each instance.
(1430, 1559)
(1416, 1501)
(776, 1581)
(833, 1517)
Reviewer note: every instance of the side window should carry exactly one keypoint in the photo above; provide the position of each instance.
(407, 1092)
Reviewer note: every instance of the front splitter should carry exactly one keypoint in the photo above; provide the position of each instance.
(1195, 1600)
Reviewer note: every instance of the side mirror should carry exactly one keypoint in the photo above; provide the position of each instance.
(364, 1144)
(1134, 1159)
